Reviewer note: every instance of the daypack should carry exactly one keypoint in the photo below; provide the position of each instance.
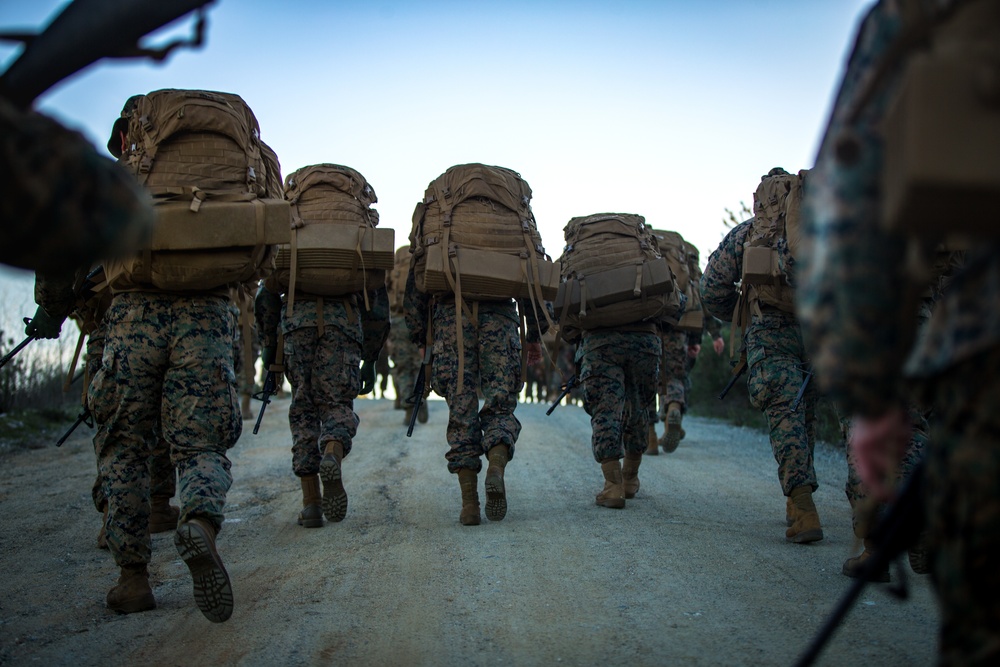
(677, 252)
(474, 236)
(212, 180)
(335, 247)
(613, 275)
(771, 246)
(397, 279)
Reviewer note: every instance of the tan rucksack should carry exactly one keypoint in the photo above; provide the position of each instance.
(613, 275)
(686, 271)
(335, 247)
(474, 235)
(397, 279)
(772, 243)
(200, 155)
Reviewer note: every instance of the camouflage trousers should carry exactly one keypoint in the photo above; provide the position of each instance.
(325, 375)
(619, 372)
(162, 476)
(857, 492)
(168, 360)
(963, 507)
(673, 373)
(405, 359)
(492, 364)
(776, 360)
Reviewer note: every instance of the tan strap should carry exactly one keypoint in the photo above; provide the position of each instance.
(521, 325)
(72, 365)
(637, 288)
(361, 259)
(293, 270)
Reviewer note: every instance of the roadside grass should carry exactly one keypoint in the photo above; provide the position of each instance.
(34, 409)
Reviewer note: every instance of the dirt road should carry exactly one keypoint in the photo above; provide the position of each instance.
(694, 571)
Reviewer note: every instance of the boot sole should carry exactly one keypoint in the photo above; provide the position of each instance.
(334, 494)
(614, 503)
(310, 523)
(854, 572)
(496, 497)
(213, 592)
(806, 536)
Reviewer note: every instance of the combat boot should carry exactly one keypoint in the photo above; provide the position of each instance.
(311, 515)
(162, 515)
(630, 474)
(854, 566)
(334, 494)
(245, 407)
(918, 555)
(422, 412)
(496, 492)
(102, 534)
(133, 592)
(789, 512)
(195, 542)
(805, 526)
(652, 444)
(672, 434)
(467, 480)
(613, 495)
(409, 415)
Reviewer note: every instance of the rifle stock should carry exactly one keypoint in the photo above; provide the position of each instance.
(270, 388)
(738, 370)
(566, 388)
(417, 397)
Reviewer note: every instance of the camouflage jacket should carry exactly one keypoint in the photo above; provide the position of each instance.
(417, 308)
(857, 302)
(722, 273)
(369, 327)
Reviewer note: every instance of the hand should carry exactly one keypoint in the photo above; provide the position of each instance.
(877, 446)
(718, 345)
(534, 351)
(367, 377)
(693, 351)
(43, 325)
(267, 356)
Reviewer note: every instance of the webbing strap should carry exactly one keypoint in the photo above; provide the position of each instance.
(361, 258)
(72, 365)
(637, 288)
(294, 250)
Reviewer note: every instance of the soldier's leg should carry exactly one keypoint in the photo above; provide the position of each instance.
(201, 420)
(500, 372)
(162, 487)
(604, 400)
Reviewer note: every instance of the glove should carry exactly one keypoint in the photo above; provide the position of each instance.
(367, 377)
(267, 356)
(43, 325)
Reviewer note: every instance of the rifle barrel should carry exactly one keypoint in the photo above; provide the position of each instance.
(10, 355)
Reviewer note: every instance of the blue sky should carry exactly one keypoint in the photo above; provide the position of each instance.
(668, 109)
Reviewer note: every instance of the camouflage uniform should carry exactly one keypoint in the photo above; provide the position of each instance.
(62, 203)
(168, 360)
(405, 358)
(492, 356)
(858, 323)
(619, 370)
(673, 371)
(775, 360)
(325, 340)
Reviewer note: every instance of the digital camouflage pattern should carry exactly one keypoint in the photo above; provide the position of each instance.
(162, 475)
(492, 365)
(672, 380)
(860, 329)
(63, 204)
(619, 371)
(776, 360)
(405, 357)
(167, 359)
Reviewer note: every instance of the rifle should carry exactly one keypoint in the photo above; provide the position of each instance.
(802, 389)
(20, 346)
(898, 528)
(84, 417)
(265, 394)
(738, 370)
(566, 388)
(417, 396)
(86, 31)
